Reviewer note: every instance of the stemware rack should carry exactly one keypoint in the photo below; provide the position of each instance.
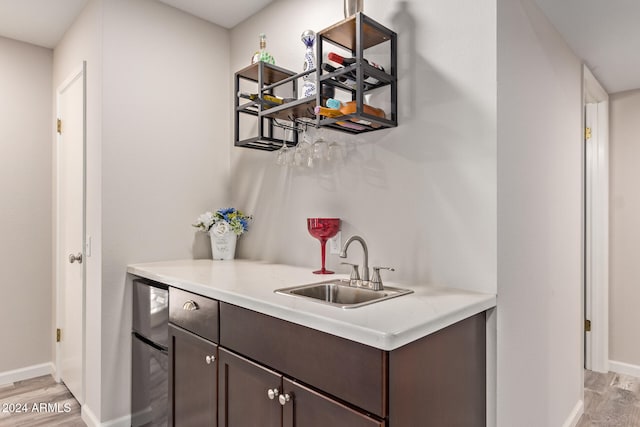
(354, 35)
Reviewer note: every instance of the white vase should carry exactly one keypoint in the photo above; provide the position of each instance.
(223, 246)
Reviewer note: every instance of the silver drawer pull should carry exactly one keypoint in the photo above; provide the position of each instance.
(209, 359)
(190, 305)
(273, 393)
(284, 398)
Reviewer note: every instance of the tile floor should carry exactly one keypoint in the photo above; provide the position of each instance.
(38, 402)
(610, 400)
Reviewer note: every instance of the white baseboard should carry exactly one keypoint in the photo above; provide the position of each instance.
(26, 373)
(624, 368)
(574, 416)
(88, 416)
(91, 420)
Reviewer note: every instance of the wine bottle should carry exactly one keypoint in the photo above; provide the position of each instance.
(308, 37)
(330, 112)
(262, 54)
(346, 79)
(350, 108)
(348, 61)
(266, 100)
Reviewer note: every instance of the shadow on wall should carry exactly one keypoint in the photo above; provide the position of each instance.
(427, 175)
(438, 120)
(405, 25)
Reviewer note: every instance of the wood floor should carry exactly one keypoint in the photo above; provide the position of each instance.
(610, 400)
(38, 402)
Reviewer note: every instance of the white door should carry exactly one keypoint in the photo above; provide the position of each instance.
(70, 232)
(596, 237)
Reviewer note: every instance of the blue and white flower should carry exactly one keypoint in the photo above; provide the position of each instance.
(223, 221)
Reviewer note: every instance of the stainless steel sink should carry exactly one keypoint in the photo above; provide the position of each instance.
(339, 294)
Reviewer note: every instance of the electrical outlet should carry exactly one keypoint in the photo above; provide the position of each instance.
(335, 244)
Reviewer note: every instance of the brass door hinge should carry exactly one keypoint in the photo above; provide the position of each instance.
(59, 126)
(587, 325)
(587, 133)
(58, 333)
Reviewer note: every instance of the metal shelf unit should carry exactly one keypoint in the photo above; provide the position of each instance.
(355, 35)
(264, 78)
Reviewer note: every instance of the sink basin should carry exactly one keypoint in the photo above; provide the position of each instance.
(338, 293)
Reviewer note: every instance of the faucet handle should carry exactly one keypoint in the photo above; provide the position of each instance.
(355, 274)
(376, 280)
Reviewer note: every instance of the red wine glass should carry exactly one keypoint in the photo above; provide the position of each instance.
(323, 229)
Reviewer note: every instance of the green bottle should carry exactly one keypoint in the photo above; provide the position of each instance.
(262, 54)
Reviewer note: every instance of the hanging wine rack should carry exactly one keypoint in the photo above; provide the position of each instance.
(354, 35)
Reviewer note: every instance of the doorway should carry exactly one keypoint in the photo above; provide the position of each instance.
(596, 177)
(70, 231)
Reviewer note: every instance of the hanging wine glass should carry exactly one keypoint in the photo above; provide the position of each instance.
(282, 155)
(319, 149)
(301, 153)
(323, 229)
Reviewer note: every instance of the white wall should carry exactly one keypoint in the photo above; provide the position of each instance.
(539, 221)
(165, 155)
(423, 194)
(25, 185)
(158, 123)
(624, 292)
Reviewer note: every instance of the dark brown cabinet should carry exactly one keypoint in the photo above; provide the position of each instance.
(252, 395)
(245, 389)
(269, 372)
(309, 408)
(193, 359)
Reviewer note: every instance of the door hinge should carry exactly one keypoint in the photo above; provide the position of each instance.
(587, 325)
(59, 126)
(587, 133)
(58, 333)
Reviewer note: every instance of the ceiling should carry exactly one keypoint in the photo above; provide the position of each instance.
(39, 22)
(604, 33)
(44, 22)
(227, 13)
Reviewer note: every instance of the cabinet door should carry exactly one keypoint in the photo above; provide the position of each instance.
(243, 395)
(307, 408)
(192, 379)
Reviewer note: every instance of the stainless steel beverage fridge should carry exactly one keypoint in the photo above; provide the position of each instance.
(150, 365)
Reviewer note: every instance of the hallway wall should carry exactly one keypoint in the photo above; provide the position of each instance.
(624, 239)
(25, 217)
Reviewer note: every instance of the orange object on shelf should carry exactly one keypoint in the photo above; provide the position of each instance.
(332, 112)
(350, 108)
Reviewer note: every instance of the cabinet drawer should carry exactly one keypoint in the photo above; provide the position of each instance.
(350, 371)
(194, 313)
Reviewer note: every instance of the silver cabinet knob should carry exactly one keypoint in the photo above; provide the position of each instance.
(284, 398)
(73, 258)
(190, 305)
(273, 393)
(210, 359)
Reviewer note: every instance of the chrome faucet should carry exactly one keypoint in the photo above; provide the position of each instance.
(365, 266)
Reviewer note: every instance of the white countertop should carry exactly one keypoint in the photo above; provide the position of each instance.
(386, 325)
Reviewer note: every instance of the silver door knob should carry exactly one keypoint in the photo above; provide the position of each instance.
(273, 393)
(210, 359)
(73, 258)
(284, 398)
